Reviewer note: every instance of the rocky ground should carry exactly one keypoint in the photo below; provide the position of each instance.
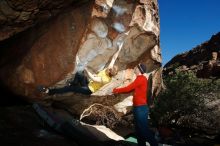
(19, 125)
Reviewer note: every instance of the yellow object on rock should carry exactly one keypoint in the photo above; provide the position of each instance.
(94, 86)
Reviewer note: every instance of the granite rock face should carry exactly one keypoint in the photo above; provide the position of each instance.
(19, 15)
(73, 35)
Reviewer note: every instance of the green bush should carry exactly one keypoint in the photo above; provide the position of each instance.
(185, 94)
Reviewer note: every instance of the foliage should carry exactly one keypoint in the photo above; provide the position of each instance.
(185, 94)
(175, 65)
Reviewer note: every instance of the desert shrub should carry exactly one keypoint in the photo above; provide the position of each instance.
(185, 95)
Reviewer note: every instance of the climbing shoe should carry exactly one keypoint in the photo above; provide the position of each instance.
(43, 89)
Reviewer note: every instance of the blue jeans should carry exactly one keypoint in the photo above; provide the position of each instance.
(78, 85)
(141, 126)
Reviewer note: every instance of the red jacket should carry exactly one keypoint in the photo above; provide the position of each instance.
(139, 86)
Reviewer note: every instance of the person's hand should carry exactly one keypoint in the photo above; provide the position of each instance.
(115, 91)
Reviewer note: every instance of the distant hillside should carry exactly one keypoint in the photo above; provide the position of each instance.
(198, 59)
(190, 103)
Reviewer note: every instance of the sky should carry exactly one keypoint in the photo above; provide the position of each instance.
(184, 24)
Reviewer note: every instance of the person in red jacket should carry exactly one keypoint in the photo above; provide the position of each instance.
(140, 108)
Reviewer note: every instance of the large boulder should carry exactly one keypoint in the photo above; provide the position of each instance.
(82, 35)
(19, 15)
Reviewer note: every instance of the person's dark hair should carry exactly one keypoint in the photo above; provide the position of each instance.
(142, 68)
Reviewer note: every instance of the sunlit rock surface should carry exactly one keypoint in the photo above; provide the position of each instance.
(46, 42)
(63, 37)
(84, 34)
